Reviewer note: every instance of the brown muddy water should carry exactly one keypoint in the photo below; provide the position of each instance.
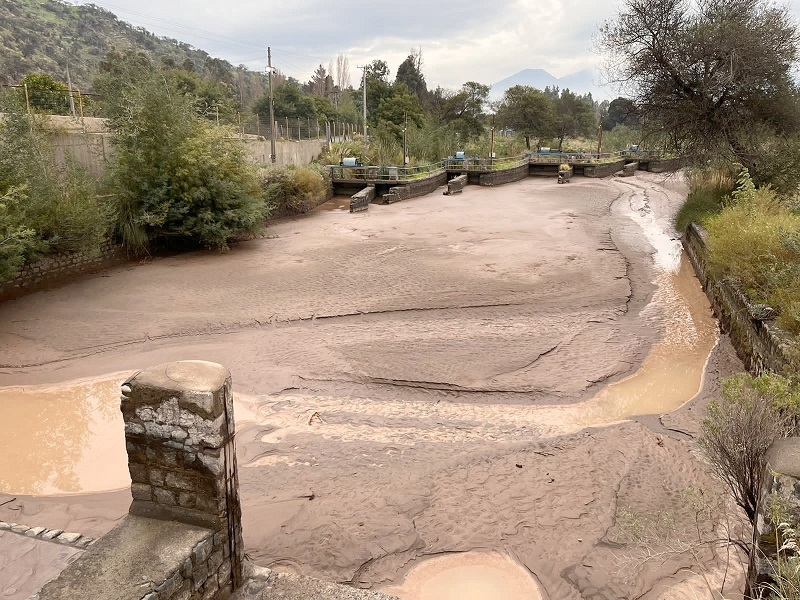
(468, 576)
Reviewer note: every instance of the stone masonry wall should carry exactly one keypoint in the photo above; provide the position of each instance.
(760, 344)
(360, 200)
(179, 434)
(413, 190)
(60, 267)
(182, 538)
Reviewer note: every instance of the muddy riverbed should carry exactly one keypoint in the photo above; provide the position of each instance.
(452, 377)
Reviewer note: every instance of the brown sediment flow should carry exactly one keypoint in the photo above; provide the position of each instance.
(70, 438)
(672, 372)
(467, 576)
(411, 381)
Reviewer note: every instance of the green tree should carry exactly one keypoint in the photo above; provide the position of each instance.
(45, 94)
(716, 75)
(410, 73)
(575, 116)
(399, 108)
(290, 101)
(211, 98)
(174, 174)
(43, 206)
(464, 109)
(527, 110)
(621, 111)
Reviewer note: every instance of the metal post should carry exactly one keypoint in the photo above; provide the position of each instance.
(600, 142)
(405, 144)
(491, 144)
(364, 85)
(272, 131)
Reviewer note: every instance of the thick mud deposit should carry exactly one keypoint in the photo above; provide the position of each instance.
(412, 382)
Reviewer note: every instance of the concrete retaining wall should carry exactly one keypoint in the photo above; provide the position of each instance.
(93, 150)
(760, 344)
(183, 536)
(665, 165)
(504, 176)
(58, 268)
(287, 152)
(603, 170)
(414, 190)
(456, 185)
(360, 200)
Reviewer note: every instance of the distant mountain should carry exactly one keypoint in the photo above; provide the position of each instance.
(582, 82)
(49, 35)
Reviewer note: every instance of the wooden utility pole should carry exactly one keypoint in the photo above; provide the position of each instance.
(272, 127)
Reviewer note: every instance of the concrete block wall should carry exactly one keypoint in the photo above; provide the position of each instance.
(760, 344)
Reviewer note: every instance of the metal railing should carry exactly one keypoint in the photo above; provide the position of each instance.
(385, 173)
(391, 173)
(472, 163)
(588, 158)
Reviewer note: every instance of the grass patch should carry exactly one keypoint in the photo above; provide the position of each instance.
(754, 242)
(708, 190)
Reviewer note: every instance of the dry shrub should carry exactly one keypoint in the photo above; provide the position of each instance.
(739, 428)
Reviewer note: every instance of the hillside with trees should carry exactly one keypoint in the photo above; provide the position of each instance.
(48, 36)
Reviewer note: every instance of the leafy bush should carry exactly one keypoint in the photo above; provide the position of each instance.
(739, 428)
(45, 207)
(16, 240)
(293, 190)
(174, 175)
(755, 243)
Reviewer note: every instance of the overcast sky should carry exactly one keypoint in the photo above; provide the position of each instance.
(461, 40)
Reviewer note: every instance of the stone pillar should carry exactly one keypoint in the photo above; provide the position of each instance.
(179, 433)
(780, 488)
